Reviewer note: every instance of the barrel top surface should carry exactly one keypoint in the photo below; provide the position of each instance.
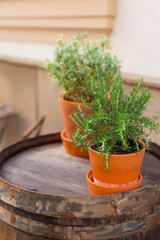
(48, 169)
(37, 176)
(43, 191)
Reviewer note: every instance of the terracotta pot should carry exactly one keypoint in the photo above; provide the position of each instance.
(96, 189)
(67, 108)
(70, 147)
(124, 169)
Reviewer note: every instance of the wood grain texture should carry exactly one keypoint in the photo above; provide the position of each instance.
(9, 233)
(50, 170)
(55, 8)
(44, 170)
(41, 21)
(36, 201)
(49, 34)
(70, 23)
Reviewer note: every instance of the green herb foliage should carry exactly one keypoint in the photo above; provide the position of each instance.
(116, 118)
(75, 61)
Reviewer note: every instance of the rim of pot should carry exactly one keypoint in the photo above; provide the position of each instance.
(139, 141)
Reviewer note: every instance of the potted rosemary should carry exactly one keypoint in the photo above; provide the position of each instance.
(73, 64)
(113, 135)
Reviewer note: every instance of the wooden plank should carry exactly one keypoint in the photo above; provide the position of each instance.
(57, 8)
(45, 35)
(61, 23)
(41, 21)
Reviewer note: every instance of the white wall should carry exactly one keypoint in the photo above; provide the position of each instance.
(136, 36)
(26, 51)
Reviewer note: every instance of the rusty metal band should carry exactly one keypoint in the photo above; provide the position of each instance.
(42, 226)
(78, 222)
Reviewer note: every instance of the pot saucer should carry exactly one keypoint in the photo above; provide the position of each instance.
(96, 189)
(70, 147)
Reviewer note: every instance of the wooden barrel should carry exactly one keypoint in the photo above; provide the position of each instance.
(44, 195)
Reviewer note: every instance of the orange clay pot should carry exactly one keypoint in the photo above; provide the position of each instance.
(67, 108)
(124, 169)
(70, 147)
(96, 189)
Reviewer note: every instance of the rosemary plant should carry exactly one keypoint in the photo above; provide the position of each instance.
(75, 61)
(117, 119)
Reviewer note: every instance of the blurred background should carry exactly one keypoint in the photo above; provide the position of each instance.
(28, 34)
